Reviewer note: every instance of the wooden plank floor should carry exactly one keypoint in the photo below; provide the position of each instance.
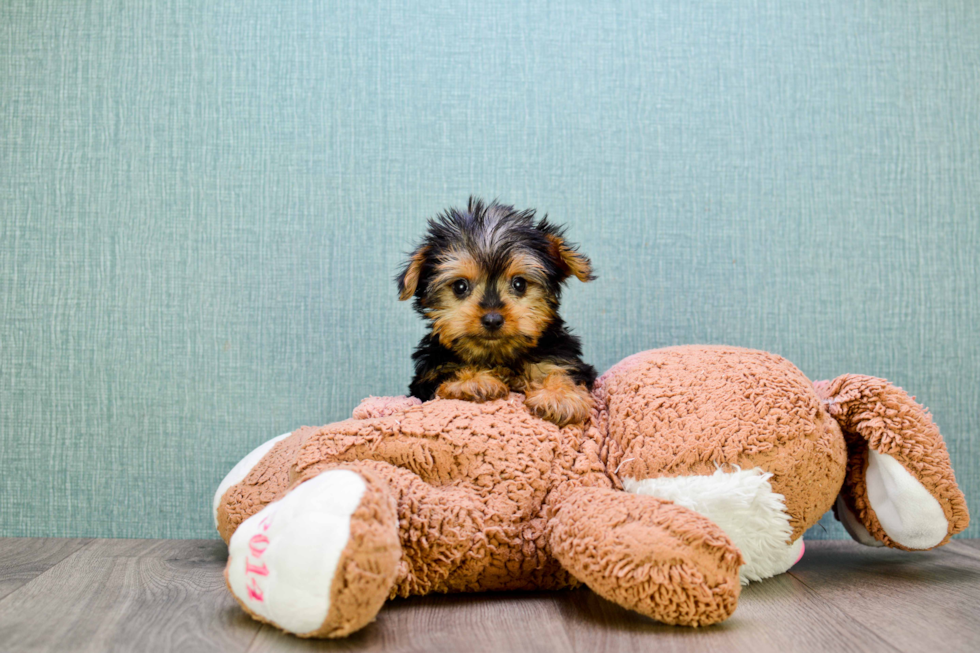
(169, 595)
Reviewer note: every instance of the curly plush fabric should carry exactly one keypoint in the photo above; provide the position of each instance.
(877, 415)
(648, 555)
(368, 564)
(469, 497)
(383, 406)
(293, 579)
(692, 410)
(470, 482)
(266, 482)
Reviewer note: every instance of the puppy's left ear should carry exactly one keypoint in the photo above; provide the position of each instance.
(408, 278)
(571, 261)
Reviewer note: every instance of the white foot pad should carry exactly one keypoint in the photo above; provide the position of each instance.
(282, 560)
(907, 512)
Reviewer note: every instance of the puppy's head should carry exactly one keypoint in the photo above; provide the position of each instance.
(489, 279)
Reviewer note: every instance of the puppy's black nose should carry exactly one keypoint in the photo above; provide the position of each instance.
(492, 321)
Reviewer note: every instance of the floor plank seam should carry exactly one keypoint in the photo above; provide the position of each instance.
(255, 636)
(71, 554)
(844, 615)
(164, 595)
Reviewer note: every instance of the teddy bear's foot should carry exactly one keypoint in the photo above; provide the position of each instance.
(743, 504)
(649, 555)
(905, 510)
(899, 488)
(320, 561)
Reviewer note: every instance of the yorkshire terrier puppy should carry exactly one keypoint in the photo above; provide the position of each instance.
(488, 282)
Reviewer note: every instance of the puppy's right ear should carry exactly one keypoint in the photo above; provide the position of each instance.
(408, 279)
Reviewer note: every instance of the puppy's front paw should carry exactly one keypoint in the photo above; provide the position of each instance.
(476, 385)
(561, 403)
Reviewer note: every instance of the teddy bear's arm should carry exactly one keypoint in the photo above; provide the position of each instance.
(899, 489)
(647, 554)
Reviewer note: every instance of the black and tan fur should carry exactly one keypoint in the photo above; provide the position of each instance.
(488, 282)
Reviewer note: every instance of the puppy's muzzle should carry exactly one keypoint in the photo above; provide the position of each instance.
(492, 321)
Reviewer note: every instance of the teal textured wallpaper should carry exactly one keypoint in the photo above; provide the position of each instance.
(202, 205)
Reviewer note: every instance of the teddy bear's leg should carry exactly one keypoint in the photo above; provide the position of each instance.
(899, 489)
(648, 555)
(321, 560)
(743, 504)
(441, 531)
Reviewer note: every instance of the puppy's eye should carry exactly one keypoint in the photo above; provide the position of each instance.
(519, 284)
(460, 287)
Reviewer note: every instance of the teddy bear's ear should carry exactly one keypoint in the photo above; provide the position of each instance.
(567, 258)
(408, 278)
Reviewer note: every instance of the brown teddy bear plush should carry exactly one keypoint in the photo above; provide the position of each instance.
(699, 469)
